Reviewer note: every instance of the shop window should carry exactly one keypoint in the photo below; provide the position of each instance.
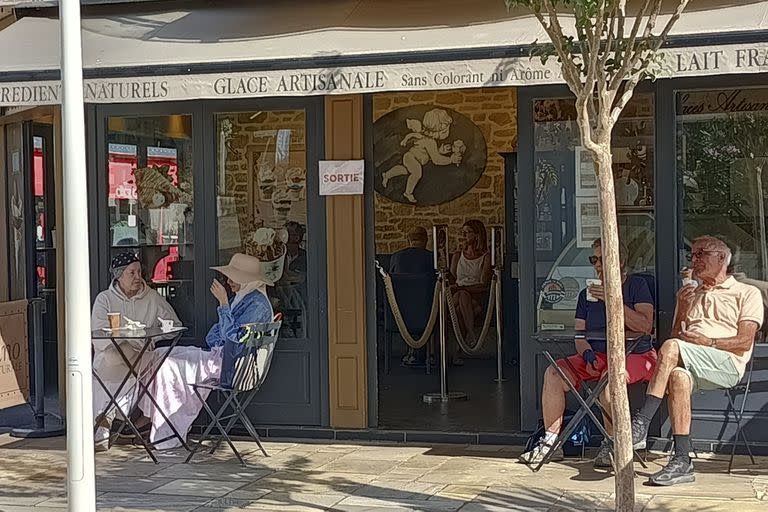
(262, 203)
(149, 198)
(565, 202)
(722, 150)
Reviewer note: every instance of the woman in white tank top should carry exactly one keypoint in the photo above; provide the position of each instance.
(471, 274)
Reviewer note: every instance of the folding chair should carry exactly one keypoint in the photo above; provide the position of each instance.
(251, 368)
(592, 394)
(738, 414)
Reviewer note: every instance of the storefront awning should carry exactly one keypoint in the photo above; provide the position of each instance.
(333, 47)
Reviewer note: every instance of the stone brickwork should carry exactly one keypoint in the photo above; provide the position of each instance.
(494, 111)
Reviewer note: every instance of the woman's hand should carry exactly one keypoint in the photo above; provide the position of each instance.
(219, 292)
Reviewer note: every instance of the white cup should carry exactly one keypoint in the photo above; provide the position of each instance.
(166, 325)
(592, 282)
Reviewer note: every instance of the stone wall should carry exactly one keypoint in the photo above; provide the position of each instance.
(494, 111)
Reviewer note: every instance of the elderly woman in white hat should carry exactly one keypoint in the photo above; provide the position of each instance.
(193, 365)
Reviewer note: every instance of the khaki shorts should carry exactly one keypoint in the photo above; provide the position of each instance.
(710, 368)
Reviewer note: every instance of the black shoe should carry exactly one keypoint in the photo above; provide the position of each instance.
(677, 471)
(639, 432)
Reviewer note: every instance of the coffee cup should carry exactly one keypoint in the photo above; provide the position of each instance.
(592, 282)
(115, 319)
(687, 275)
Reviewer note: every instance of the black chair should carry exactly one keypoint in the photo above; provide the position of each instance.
(250, 369)
(414, 294)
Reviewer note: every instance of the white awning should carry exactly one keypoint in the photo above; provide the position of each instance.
(119, 47)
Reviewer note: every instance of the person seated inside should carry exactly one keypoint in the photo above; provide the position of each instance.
(129, 295)
(591, 361)
(192, 365)
(471, 272)
(414, 259)
(712, 338)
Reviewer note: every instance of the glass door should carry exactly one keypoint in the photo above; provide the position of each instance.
(264, 197)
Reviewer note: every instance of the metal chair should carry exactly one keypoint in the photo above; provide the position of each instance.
(731, 394)
(738, 414)
(250, 369)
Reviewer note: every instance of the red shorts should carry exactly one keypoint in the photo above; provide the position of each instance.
(639, 367)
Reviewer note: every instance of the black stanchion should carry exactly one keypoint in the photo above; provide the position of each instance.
(36, 310)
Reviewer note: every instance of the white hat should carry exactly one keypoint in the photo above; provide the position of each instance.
(245, 269)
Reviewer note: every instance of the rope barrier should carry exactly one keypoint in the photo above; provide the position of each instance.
(398, 315)
(489, 314)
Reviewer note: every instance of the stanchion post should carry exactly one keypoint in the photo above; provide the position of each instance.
(36, 310)
(440, 244)
(497, 263)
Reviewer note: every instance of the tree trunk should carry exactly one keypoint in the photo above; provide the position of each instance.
(614, 305)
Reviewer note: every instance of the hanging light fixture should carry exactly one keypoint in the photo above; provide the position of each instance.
(116, 124)
(178, 127)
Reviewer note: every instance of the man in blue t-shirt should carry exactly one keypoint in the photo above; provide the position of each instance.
(414, 259)
(590, 362)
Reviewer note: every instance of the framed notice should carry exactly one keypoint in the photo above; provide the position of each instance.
(341, 177)
(586, 179)
(587, 221)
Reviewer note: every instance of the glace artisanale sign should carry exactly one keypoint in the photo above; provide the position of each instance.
(519, 71)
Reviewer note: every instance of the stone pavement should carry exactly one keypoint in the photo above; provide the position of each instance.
(309, 476)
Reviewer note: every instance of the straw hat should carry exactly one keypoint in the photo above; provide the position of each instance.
(245, 269)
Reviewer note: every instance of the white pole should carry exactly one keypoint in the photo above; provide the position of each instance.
(81, 487)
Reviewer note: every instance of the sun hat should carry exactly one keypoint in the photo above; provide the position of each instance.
(245, 269)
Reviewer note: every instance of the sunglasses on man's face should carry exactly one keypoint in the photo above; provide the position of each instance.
(594, 259)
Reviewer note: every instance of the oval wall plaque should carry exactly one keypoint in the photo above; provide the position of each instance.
(427, 155)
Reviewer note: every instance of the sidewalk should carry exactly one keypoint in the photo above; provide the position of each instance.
(304, 476)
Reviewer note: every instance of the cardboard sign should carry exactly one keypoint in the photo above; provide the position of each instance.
(14, 354)
(341, 177)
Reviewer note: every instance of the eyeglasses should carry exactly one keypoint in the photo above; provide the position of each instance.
(594, 259)
(702, 252)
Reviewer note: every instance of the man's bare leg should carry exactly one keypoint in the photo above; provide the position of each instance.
(679, 403)
(679, 469)
(553, 401)
(667, 362)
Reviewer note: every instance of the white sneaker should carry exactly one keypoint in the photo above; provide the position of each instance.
(535, 455)
(101, 439)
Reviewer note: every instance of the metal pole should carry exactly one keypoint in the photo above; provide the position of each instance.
(443, 395)
(497, 250)
(81, 488)
(40, 430)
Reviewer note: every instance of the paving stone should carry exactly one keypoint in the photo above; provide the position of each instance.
(371, 467)
(398, 489)
(134, 484)
(311, 482)
(126, 501)
(442, 504)
(220, 471)
(189, 487)
(462, 492)
(668, 503)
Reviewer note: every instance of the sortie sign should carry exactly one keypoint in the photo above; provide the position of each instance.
(341, 177)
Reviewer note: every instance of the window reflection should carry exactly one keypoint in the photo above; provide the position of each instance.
(262, 184)
(722, 151)
(149, 197)
(565, 202)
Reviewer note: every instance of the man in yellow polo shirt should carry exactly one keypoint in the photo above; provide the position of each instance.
(713, 335)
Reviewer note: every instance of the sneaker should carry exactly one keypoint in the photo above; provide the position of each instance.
(639, 432)
(604, 458)
(677, 471)
(538, 452)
